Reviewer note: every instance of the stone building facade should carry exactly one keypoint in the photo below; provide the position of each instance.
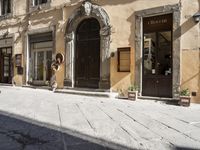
(106, 44)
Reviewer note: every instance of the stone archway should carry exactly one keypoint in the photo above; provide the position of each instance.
(88, 10)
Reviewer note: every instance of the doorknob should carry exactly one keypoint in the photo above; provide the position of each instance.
(157, 81)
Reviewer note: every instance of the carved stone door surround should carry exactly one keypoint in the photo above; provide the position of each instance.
(88, 10)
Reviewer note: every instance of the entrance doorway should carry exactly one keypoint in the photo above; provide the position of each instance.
(5, 65)
(42, 59)
(42, 63)
(87, 54)
(157, 56)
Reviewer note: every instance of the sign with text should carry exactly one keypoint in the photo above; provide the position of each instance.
(159, 23)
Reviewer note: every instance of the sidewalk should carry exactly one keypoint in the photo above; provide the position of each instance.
(103, 122)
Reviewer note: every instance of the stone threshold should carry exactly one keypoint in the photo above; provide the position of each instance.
(36, 87)
(161, 99)
(87, 92)
(5, 84)
(157, 98)
(173, 101)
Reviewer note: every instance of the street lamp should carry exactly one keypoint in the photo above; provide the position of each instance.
(196, 17)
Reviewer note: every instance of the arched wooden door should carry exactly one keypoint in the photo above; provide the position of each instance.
(87, 54)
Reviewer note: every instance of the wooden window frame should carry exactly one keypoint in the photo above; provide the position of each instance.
(123, 49)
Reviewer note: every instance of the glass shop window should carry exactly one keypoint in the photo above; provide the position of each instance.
(124, 59)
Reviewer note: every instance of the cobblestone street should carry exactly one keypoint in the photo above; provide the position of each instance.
(32, 119)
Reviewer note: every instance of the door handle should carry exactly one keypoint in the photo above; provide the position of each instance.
(157, 81)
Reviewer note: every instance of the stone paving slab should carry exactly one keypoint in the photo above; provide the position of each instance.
(40, 119)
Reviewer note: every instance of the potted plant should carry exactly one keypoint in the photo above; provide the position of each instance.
(185, 97)
(133, 92)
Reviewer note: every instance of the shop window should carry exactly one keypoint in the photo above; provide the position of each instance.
(124, 59)
(5, 7)
(39, 2)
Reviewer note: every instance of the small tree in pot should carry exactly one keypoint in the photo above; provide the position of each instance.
(185, 97)
(133, 92)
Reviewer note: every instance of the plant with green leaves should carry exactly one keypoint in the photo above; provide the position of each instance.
(133, 87)
(185, 92)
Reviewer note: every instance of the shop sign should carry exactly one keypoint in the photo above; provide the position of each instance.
(157, 21)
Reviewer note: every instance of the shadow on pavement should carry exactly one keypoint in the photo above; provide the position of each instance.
(172, 102)
(186, 148)
(16, 134)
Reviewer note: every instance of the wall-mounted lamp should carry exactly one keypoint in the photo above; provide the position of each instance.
(196, 17)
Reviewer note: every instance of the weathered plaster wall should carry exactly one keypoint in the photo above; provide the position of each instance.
(190, 45)
(14, 26)
(60, 48)
(51, 20)
(122, 20)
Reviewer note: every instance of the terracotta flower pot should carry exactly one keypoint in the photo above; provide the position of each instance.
(184, 100)
(132, 95)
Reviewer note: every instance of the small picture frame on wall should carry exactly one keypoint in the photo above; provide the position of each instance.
(124, 60)
(18, 60)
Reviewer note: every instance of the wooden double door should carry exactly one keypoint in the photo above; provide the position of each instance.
(157, 56)
(87, 54)
(5, 65)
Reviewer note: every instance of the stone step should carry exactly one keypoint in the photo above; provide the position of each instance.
(87, 92)
(171, 101)
(37, 87)
(5, 84)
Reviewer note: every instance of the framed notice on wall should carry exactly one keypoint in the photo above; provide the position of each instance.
(18, 60)
(124, 59)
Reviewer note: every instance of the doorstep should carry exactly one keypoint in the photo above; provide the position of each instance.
(27, 86)
(173, 101)
(5, 84)
(37, 87)
(87, 92)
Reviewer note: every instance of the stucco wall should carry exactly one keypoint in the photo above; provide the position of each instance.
(51, 20)
(190, 45)
(14, 26)
(122, 20)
